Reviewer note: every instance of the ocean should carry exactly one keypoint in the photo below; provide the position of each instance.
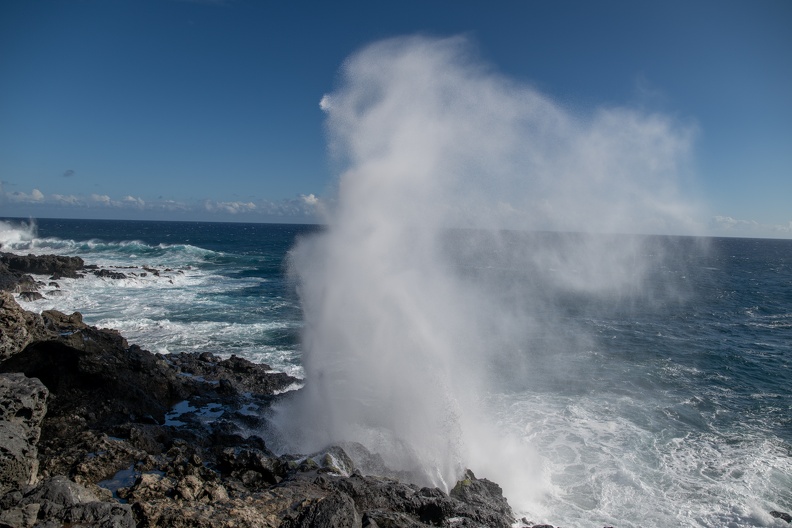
(665, 402)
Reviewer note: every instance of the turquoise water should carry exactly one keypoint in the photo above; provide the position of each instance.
(668, 406)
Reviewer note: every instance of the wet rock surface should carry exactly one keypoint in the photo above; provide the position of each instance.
(55, 265)
(122, 437)
(782, 515)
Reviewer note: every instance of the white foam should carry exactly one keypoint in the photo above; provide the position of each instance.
(170, 301)
(13, 236)
(617, 461)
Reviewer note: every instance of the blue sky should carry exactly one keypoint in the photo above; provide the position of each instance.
(209, 110)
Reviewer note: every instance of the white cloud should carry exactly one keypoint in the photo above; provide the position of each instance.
(229, 207)
(66, 199)
(34, 196)
(170, 205)
(102, 199)
(730, 226)
(309, 199)
(136, 202)
(300, 208)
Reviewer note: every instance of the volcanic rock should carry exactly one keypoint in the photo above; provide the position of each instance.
(23, 404)
(60, 502)
(105, 273)
(782, 515)
(43, 264)
(18, 327)
(130, 438)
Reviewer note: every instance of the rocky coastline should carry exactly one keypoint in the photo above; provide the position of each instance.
(97, 432)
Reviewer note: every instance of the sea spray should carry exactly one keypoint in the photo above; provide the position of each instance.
(421, 298)
(16, 234)
(647, 407)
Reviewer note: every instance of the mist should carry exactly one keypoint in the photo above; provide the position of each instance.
(13, 234)
(438, 282)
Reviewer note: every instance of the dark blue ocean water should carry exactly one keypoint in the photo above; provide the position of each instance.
(668, 404)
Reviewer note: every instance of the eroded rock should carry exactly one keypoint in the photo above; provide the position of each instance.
(60, 266)
(18, 327)
(23, 404)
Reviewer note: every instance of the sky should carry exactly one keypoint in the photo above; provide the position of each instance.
(210, 109)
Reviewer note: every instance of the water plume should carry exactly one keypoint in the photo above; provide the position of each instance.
(435, 283)
(14, 235)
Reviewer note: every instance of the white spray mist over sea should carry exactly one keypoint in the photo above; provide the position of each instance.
(11, 234)
(418, 304)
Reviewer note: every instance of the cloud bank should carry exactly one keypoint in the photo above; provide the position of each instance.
(302, 208)
(721, 225)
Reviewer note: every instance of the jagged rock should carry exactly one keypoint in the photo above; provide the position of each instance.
(254, 467)
(62, 324)
(43, 264)
(67, 503)
(184, 492)
(18, 327)
(480, 491)
(105, 434)
(389, 519)
(14, 281)
(102, 380)
(89, 457)
(23, 400)
(23, 404)
(235, 375)
(782, 515)
(30, 296)
(335, 510)
(19, 517)
(105, 273)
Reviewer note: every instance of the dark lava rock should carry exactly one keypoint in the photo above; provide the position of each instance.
(14, 281)
(472, 490)
(30, 296)
(98, 377)
(782, 515)
(43, 264)
(23, 404)
(61, 502)
(18, 327)
(174, 437)
(304, 498)
(105, 273)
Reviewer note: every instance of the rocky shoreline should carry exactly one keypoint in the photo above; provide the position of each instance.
(97, 432)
